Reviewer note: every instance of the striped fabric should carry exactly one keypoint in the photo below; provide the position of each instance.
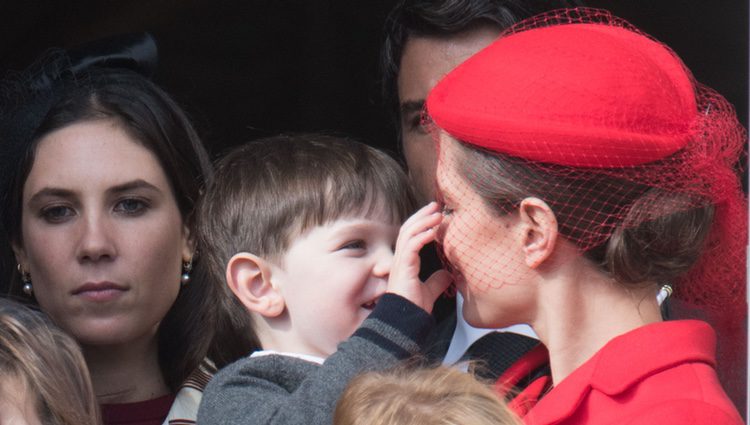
(185, 407)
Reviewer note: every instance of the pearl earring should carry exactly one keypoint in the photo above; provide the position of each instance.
(664, 292)
(187, 266)
(26, 280)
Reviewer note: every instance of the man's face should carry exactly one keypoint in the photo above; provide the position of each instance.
(424, 62)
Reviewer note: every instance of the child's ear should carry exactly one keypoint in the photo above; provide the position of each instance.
(540, 228)
(249, 278)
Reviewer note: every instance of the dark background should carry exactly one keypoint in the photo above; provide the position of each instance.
(246, 69)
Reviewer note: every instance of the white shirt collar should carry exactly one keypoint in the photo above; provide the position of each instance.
(307, 357)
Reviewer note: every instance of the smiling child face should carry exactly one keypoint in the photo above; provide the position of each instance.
(331, 277)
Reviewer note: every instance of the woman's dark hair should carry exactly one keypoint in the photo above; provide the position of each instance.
(642, 246)
(153, 119)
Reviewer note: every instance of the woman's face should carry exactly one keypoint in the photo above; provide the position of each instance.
(484, 249)
(102, 236)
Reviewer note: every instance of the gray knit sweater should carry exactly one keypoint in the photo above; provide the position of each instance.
(278, 389)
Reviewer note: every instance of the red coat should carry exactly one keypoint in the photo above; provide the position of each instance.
(662, 373)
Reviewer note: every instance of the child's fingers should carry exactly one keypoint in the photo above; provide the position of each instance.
(427, 221)
(424, 294)
(418, 227)
(416, 232)
(436, 284)
(425, 225)
(415, 243)
(424, 211)
(412, 237)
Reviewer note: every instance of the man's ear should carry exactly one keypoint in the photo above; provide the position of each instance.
(249, 278)
(540, 228)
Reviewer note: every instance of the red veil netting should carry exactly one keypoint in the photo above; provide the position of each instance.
(608, 127)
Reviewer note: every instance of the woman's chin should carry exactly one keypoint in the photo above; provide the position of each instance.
(473, 317)
(107, 333)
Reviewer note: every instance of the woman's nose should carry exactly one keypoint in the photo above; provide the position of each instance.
(96, 239)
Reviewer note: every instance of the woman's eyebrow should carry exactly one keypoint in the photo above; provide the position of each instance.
(132, 185)
(56, 192)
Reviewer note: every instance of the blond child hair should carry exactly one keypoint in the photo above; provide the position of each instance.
(437, 396)
(47, 364)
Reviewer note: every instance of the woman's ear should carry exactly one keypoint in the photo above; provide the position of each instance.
(188, 245)
(540, 227)
(19, 253)
(249, 278)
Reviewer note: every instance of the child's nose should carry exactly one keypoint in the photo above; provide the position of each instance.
(383, 261)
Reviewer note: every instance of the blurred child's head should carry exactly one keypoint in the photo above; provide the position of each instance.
(43, 376)
(437, 396)
(301, 230)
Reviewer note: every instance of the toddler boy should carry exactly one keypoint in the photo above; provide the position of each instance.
(301, 231)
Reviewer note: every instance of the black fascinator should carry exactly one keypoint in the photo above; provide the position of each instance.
(136, 52)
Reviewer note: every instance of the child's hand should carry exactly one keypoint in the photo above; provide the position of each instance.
(415, 233)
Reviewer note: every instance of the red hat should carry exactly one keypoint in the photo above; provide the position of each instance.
(579, 94)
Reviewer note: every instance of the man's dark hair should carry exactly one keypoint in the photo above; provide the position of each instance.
(443, 18)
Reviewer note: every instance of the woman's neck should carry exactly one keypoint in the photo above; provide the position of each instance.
(126, 373)
(582, 310)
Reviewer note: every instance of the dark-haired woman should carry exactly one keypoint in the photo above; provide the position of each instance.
(102, 173)
(581, 170)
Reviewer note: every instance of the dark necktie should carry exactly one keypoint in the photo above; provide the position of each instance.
(495, 352)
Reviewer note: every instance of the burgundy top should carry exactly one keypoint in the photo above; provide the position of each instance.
(149, 412)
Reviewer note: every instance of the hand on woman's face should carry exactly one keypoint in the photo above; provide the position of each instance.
(102, 236)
